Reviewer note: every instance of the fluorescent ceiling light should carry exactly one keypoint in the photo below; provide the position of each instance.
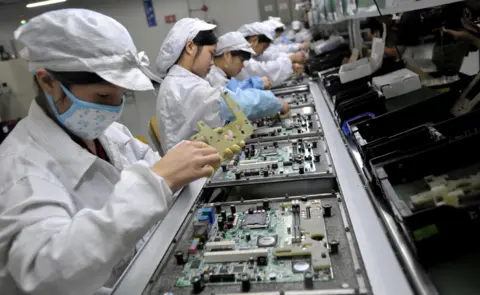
(42, 3)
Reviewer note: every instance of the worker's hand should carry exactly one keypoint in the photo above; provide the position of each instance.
(305, 45)
(463, 36)
(267, 83)
(285, 107)
(298, 68)
(187, 162)
(298, 57)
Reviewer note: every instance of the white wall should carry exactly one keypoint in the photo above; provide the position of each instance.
(229, 15)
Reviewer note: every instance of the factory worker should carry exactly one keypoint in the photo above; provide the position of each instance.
(298, 33)
(232, 51)
(260, 36)
(77, 191)
(185, 97)
(276, 49)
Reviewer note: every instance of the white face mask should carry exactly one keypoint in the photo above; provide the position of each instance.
(85, 119)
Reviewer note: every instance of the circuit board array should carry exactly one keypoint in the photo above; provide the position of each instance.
(279, 242)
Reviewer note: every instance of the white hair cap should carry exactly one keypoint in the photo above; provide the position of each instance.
(184, 30)
(80, 40)
(296, 25)
(257, 28)
(275, 23)
(278, 19)
(233, 41)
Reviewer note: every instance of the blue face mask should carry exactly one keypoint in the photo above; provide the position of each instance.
(85, 119)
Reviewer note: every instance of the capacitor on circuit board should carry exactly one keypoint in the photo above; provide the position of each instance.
(233, 209)
(224, 214)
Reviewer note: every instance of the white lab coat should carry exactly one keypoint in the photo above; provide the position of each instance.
(277, 71)
(68, 217)
(275, 52)
(217, 77)
(300, 36)
(183, 100)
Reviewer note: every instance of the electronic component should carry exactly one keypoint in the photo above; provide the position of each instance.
(222, 278)
(267, 241)
(193, 246)
(333, 246)
(180, 258)
(262, 261)
(224, 168)
(220, 223)
(238, 175)
(327, 210)
(246, 282)
(308, 280)
(195, 263)
(233, 210)
(222, 245)
(272, 276)
(253, 164)
(200, 230)
(218, 208)
(248, 237)
(307, 236)
(238, 269)
(255, 220)
(266, 204)
(197, 284)
(300, 266)
(224, 214)
(236, 255)
(209, 212)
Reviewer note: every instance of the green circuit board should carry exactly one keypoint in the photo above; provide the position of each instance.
(303, 232)
(276, 160)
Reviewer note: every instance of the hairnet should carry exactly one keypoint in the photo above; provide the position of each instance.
(296, 25)
(257, 28)
(80, 40)
(275, 23)
(233, 41)
(184, 30)
(276, 18)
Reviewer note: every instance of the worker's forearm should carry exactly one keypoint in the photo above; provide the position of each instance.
(59, 254)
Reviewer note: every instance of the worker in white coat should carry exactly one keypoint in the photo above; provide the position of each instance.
(298, 33)
(260, 36)
(231, 53)
(77, 191)
(277, 49)
(185, 97)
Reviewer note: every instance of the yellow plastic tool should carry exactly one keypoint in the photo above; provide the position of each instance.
(230, 139)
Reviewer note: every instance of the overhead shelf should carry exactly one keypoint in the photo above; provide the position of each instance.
(422, 4)
(373, 12)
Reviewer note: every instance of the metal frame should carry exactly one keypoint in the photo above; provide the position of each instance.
(137, 276)
(416, 274)
(383, 269)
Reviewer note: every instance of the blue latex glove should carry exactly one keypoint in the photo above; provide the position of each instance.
(285, 40)
(253, 82)
(255, 104)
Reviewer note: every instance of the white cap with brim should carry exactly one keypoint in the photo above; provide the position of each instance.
(80, 40)
(257, 28)
(233, 41)
(184, 30)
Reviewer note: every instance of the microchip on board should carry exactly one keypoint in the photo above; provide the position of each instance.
(259, 219)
